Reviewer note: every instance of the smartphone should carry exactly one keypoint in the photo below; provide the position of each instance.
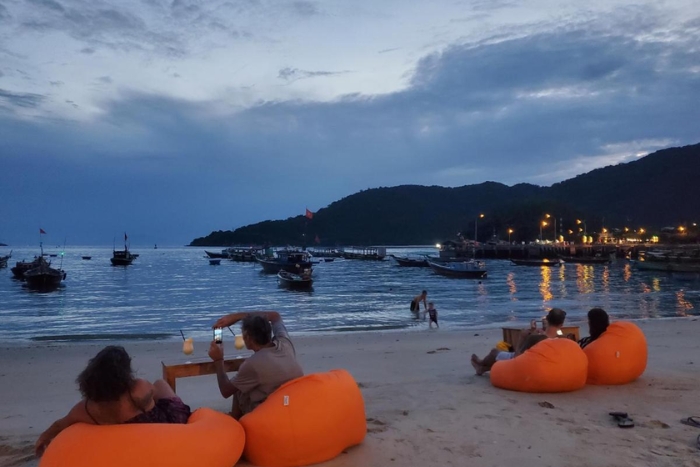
(218, 335)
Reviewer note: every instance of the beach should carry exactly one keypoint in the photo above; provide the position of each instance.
(424, 404)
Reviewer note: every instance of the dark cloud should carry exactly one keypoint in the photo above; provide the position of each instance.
(21, 99)
(526, 109)
(105, 80)
(393, 49)
(56, 83)
(305, 8)
(295, 74)
(87, 50)
(4, 14)
(1, 74)
(49, 4)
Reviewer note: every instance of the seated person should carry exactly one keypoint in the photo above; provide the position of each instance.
(554, 320)
(272, 364)
(598, 322)
(111, 395)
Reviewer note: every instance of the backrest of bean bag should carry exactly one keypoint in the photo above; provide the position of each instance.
(553, 365)
(307, 420)
(209, 439)
(618, 356)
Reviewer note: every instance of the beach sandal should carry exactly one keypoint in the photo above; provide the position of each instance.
(623, 421)
(691, 421)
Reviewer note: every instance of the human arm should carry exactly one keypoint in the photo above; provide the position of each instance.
(78, 414)
(233, 318)
(216, 353)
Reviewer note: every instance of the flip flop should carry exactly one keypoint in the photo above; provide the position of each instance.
(691, 421)
(622, 419)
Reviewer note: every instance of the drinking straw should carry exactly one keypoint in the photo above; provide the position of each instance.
(229, 328)
(183, 336)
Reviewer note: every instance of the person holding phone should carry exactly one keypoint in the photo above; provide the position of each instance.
(272, 364)
(112, 395)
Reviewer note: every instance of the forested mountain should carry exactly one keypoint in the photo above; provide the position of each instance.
(657, 190)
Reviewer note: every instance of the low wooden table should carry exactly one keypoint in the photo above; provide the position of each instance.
(512, 335)
(196, 367)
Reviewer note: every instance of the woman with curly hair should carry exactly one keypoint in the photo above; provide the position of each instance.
(112, 395)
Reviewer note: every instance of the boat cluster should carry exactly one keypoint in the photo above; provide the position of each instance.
(37, 273)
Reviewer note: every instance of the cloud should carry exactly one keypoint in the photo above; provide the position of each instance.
(4, 14)
(295, 74)
(305, 8)
(105, 80)
(49, 4)
(21, 99)
(56, 83)
(87, 50)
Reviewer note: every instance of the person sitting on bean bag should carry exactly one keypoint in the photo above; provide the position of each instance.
(273, 363)
(111, 395)
(555, 320)
(598, 322)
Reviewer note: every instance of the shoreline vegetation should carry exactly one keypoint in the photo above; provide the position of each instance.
(424, 405)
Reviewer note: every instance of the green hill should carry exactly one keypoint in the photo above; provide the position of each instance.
(657, 190)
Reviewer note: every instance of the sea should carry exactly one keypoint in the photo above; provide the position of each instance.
(170, 292)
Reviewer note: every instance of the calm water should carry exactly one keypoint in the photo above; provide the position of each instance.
(169, 289)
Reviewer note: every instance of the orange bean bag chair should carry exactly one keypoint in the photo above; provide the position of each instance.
(618, 356)
(553, 365)
(306, 421)
(209, 438)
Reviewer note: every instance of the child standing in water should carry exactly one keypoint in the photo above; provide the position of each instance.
(432, 312)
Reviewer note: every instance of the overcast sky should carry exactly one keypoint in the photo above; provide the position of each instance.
(170, 119)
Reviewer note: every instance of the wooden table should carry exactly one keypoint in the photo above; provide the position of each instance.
(512, 335)
(196, 367)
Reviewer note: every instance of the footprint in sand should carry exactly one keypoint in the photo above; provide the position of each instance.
(379, 428)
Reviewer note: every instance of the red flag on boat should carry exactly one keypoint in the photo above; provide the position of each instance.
(41, 231)
(309, 214)
(317, 240)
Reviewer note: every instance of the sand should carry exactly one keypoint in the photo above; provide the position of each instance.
(424, 405)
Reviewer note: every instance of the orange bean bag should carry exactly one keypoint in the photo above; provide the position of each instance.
(553, 365)
(618, 356)
(209, 439)
(307, 420)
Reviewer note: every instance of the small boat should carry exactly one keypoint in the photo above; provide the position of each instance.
(86, 257)
(470, 269)
(405, 261)
(122, 257)
(537, 262)
(244, 254)
(23, 266)
(215, 261)
(367, 253)
(4, 259)
(295, 281)
(294, 261)
(53, 255)
(44, 277)
(586, 259)
(211, 254)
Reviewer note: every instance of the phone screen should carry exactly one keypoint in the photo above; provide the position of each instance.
(218, 335)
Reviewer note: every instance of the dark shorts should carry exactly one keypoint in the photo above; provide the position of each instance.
(171, 410)
(415, 306)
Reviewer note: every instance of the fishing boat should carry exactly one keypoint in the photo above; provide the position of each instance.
(23, 266)
(211, 254)
(122, 257)
(295, 281)
(470, 269)
(4, 259)
(294, 261)
(367, 253)
(537, 262)
(587, 259)
(215, 261)
(326, 253)
(44, 277)
(243, 254)
(405, 261)
(86, 257)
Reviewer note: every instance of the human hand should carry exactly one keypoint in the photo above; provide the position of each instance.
(216, 351)
(226, 321)
(43, 442)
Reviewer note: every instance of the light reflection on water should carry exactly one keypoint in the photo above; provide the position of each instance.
(169, 289)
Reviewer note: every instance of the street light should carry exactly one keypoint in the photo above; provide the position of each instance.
(543, 224)
(476, 225)
(510, 231)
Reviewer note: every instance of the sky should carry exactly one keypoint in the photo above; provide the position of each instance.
(172, 119)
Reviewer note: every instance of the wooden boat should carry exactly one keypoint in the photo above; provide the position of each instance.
(211, 254)
(44, 277)
(463, 269)
(4, 259)
(86, 257)
(293, 261)
(215, 261)
(586, 259)
(122, 257)
(368, 253)
(23, 266)
(244, 254)
(405, 261)
(326, 253)
(295, 281)
(537, 262)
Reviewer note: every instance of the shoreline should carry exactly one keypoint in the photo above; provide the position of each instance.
(423, 403)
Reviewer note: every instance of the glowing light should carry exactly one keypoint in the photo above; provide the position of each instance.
(437, 245)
